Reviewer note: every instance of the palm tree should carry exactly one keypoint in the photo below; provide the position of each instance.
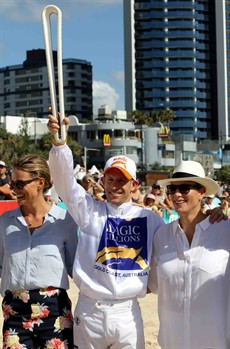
(140, 118)
(165, 116)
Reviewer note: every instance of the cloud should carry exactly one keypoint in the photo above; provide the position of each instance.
(30, 10)
(20, 11)
(119, 76)
(103, 93)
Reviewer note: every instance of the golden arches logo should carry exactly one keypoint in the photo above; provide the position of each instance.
(164, 131)
(106, 140)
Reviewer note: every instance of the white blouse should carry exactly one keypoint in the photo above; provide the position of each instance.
(193, 286)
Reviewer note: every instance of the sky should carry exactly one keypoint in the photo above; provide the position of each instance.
(92, 30)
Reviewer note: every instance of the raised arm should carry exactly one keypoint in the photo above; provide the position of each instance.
(61, 168)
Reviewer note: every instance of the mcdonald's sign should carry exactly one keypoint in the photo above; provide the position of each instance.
(164, 132)
(106, 140)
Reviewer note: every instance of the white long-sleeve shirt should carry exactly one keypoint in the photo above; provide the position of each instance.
(115, 244)
(193, 285)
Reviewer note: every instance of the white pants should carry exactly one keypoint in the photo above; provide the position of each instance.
(108, 324)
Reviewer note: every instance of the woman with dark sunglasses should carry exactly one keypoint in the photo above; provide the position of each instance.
(191, 267)
(37, 248)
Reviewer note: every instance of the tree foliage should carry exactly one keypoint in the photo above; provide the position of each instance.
(156, 166)
(140, 118)
(12, 146)
(164, 116)
(223, 174)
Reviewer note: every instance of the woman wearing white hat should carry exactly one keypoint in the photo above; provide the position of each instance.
(191, 268)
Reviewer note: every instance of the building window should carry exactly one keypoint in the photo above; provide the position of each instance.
(71, 99)
(118, 134)
(71, 83)
(131, 134)
(131, 150)
(73, 135)
(70, 66)
(167, 154)
(91, 135)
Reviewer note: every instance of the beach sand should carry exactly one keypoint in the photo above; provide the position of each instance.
(149, 313)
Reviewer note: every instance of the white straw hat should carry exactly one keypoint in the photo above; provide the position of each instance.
(191, 171)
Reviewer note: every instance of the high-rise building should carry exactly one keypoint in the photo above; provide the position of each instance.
(24, 88)
(177, 56)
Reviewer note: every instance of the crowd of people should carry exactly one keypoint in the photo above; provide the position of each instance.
(113, 240)
(155, 198)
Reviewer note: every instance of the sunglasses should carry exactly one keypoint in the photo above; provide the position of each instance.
(20, 184)
(182, 188)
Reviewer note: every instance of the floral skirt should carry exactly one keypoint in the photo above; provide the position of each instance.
(37, 319)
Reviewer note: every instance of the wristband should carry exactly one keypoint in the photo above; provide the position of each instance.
(57, 143)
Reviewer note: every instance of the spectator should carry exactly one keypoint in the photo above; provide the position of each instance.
(209, 205)
(92, 187)
(157, 192)
(225, 207)
(136, 195)
(149, 202)
(219, 192)
(5, 191)
(225, 194)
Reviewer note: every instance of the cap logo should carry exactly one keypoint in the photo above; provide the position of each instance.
(119, 161)
(124, 164)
